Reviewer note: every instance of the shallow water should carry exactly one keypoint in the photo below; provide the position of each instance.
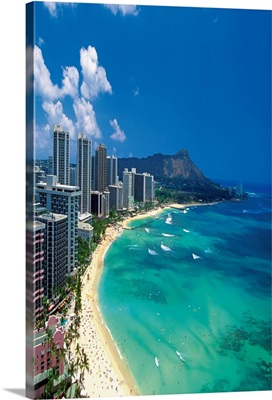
(206, 319)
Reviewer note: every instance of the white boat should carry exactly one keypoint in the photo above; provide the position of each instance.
(167, 235)
(152, 252)
(157, 361)
(165, 248)
(180, 356)
(147, 230)
(186, 230)
(195, 257)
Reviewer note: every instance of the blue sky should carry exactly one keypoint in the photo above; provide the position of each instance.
(150, 79)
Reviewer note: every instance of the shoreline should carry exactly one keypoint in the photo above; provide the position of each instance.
(109, 374)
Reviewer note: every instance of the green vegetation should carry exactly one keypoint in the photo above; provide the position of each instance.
(179, 190)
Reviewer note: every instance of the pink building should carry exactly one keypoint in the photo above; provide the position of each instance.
(47, 353)
(38, 270)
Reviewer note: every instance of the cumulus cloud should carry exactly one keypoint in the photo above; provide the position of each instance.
(56, 115)
(53, 96)
(123, 9)
(86, 120)
(70, 82)
(43, 84)
(118, 134)
(94, 76)
(42, 80)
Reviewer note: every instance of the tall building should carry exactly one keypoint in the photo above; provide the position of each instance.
(73, 176)
(38, 267)
(63, 199)
(112, 178)
(128, 188)
(61, 156)
(97, 203)
(55, 252)
(101, 168)
(84, 172)
(144, 187)
(137, 187)
(116, 197)
(106, 202)
(149, 187)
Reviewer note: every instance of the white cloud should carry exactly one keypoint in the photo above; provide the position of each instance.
(43, 84)
(86, 120)
(55, 8)
(123, 9)
(56, 115)
(42, 80)
(70, 82)
(94, 76)
(118, 134)
(94, 82)
(52, 8)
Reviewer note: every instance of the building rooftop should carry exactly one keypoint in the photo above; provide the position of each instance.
(52, 216)
(38, 225)
(85, 226)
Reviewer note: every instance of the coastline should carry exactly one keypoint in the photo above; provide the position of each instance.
(108, 374)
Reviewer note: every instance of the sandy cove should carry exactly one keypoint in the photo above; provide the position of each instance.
(108, 374)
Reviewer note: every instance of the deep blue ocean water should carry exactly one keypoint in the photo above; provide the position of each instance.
(190, 312)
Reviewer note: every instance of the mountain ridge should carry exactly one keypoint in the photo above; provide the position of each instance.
(161, 166)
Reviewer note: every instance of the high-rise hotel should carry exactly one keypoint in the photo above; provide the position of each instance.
(61, 155)
(63, 199)
(100, 168)
(84, 172)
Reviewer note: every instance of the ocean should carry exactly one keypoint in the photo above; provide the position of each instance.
(187, 298)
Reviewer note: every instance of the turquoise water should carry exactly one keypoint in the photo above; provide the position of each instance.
(207, 320)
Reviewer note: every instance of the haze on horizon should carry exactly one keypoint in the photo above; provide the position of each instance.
(156, 79)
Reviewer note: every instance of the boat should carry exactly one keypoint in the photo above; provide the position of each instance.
(186, 230)
(195, 257)
(167, 235)
(165, 248)
(180, 356)
(147, 230)
(152, 252)
(157, 361)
